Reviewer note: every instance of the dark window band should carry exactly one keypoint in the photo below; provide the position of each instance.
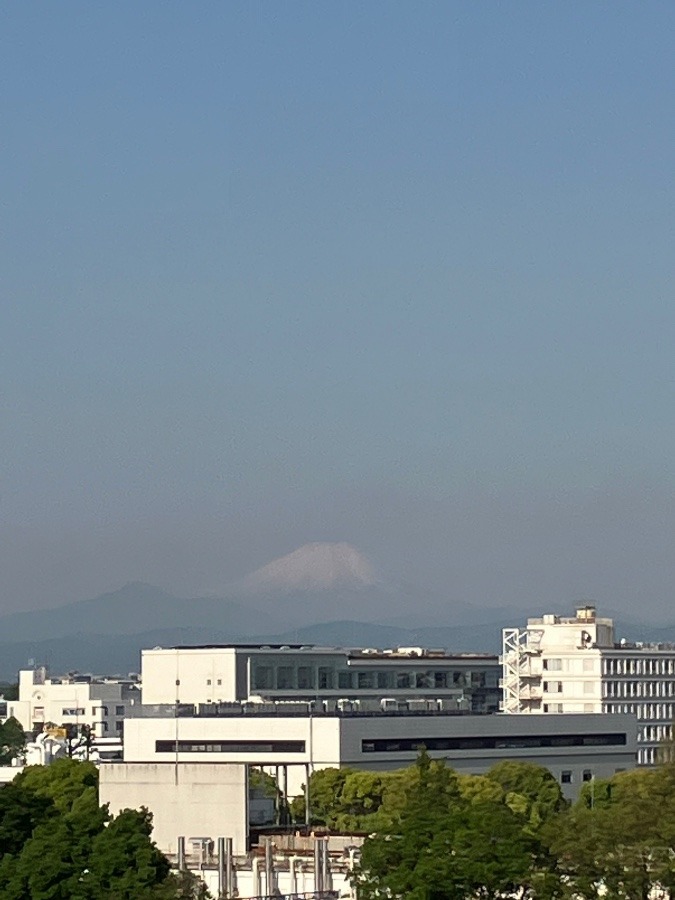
(407, 745)
(229, 746)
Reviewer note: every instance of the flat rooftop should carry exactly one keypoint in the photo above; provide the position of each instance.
(350, 652)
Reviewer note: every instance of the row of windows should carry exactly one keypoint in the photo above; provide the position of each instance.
(229, 746)
(95, 710)
(658, 711)
(119, 725)
(408, 745)
(561, 708)
(640, 689)
(639, 666)
(568, 665)
(306, 677)
(655, 733)
(557, 687)
(567, 776)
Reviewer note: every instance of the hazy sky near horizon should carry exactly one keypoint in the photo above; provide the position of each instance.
(396, 274)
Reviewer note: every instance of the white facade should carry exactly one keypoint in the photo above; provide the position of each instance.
(75, 700)
(193, 799)
(574, 748)
(573, 665)
(226, 674)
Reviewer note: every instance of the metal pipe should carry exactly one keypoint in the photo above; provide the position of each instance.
(181, 853)
(229, 868)
(255, 869)
(307, 803)
(318, 887)
(221, 867)
(284, 782)
(292, 875)
(325, 869)
(269, 870)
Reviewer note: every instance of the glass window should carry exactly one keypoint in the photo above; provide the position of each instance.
(262, 677)
(366, 679)
(566, 777)
(403, 680)
(119, 710)
(326, 680)
(423, 680)
(345, 680)
(385, 679)
(305, 677)
(553, 665)
(587, 775)
(285, 677)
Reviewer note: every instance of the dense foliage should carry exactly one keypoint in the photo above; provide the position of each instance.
(438, 835)
(12, 740)
(57, 843)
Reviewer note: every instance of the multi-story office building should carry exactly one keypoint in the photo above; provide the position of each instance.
(212, 674)
(100, 703)
(561, 664)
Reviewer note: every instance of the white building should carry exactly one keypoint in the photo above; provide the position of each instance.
(163, 751)
(229, 673)
(573, 664)
(100, 703)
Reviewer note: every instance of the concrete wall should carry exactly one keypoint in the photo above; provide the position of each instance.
(321, 738)
(189, 799)
(204, 675)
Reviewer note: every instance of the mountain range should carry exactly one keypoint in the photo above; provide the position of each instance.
(323, 593)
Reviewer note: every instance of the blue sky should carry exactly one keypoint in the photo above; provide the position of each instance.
(396, 274)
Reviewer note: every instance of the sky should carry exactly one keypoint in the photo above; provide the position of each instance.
(395, 274)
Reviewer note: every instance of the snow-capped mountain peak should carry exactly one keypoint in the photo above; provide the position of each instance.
(313, 567)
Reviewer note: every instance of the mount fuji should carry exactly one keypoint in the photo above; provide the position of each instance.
(321, 593)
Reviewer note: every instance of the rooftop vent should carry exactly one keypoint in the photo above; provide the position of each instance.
(587, 613)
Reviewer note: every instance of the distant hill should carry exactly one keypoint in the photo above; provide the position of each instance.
(121, 653)
(134, 608)
(326, 594)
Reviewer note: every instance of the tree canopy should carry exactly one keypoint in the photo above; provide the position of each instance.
(12, 740)
(509, 833)
(58, 843)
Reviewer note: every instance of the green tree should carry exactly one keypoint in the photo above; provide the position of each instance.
(63, 782)
(124, 863)
(58, 843)
(12, 740)
(9, 690)
(325, 795)
(53, 863)
(480, 789)
(414, 860)
(20, 813)
(530, 791)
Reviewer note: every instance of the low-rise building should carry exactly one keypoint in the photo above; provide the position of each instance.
(97, 702)
(228, 673)
(189, 764)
